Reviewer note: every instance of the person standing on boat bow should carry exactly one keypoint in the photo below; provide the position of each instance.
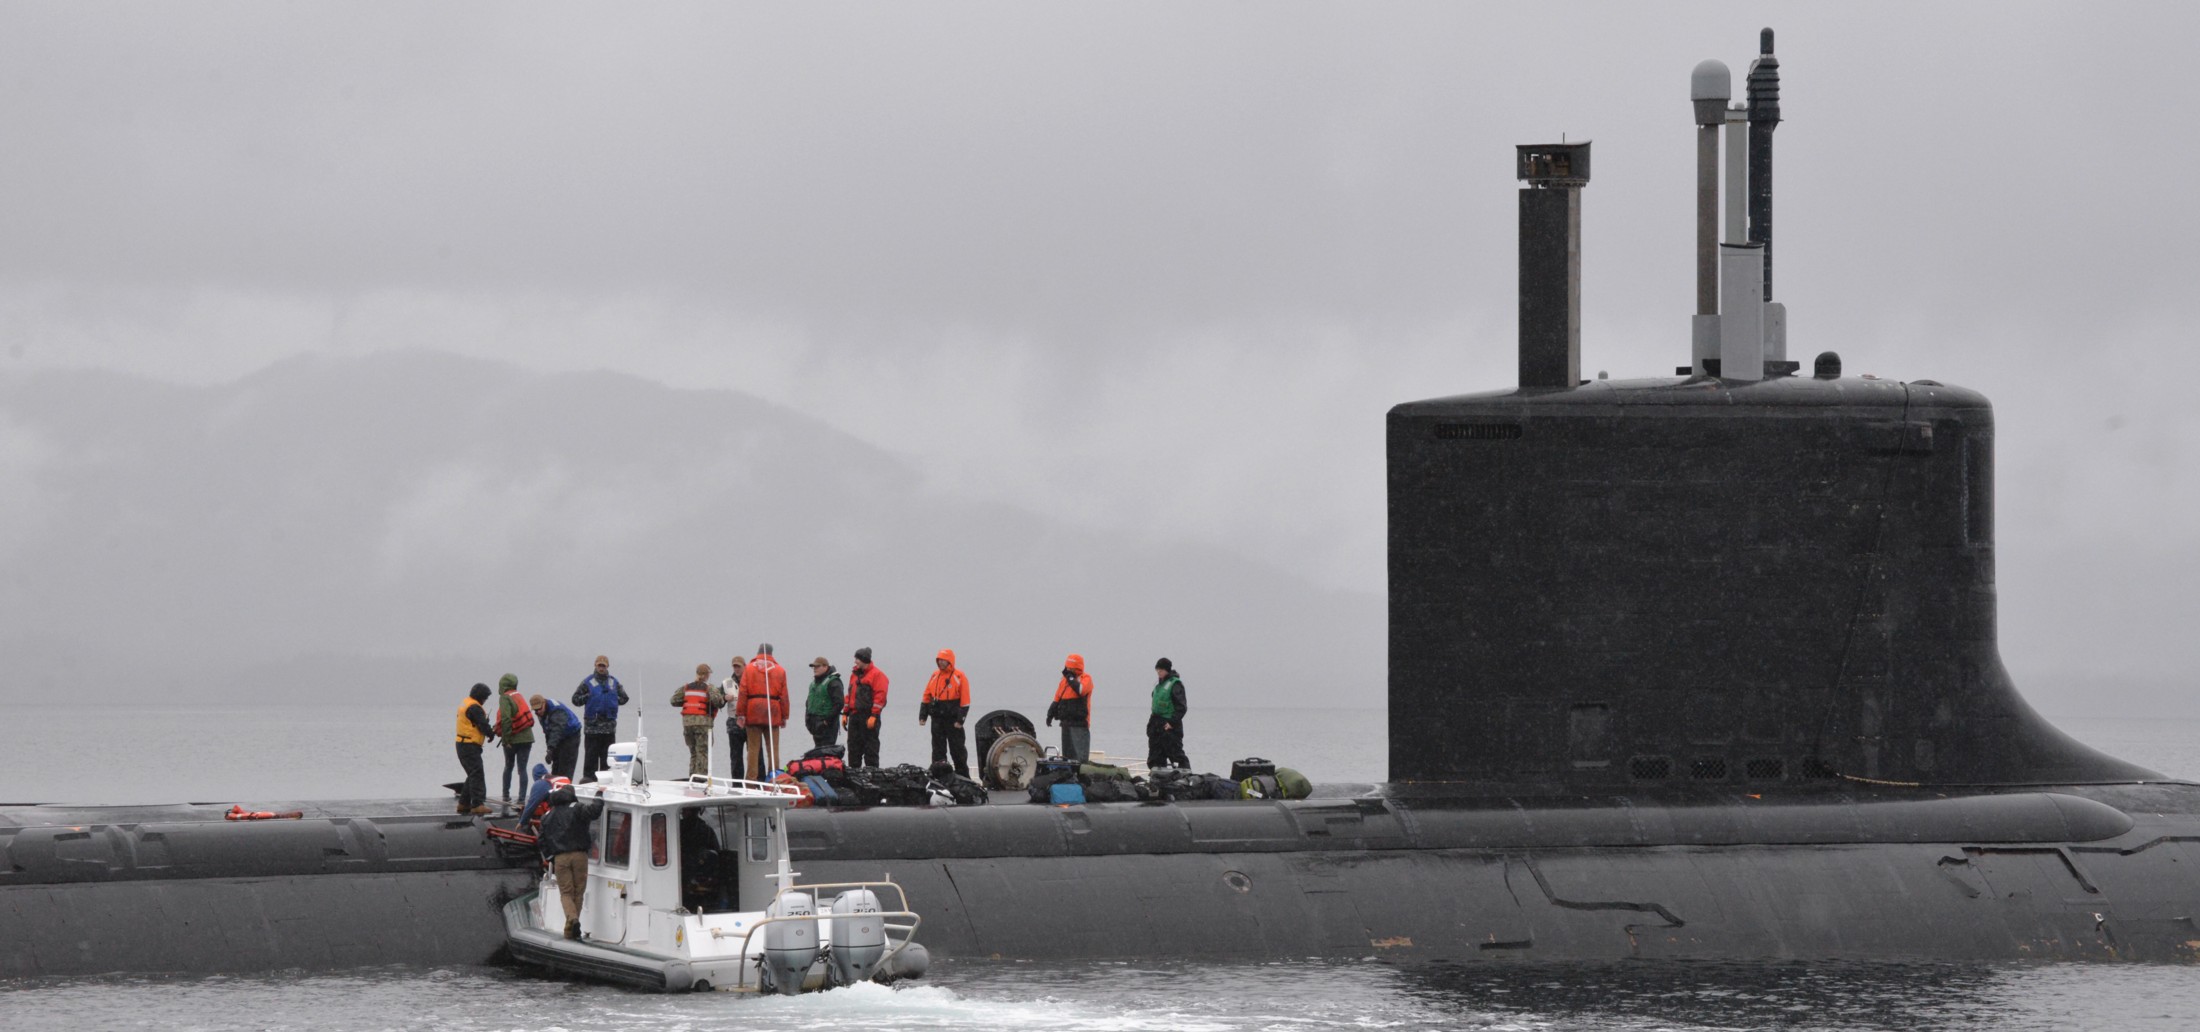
(1165, 728)
(1073, 707)
(947, 704)
(473, 730)
(866, 700)
(763, 710)
(699, 702)
(822, 710)
(599, 696)
(564, 840)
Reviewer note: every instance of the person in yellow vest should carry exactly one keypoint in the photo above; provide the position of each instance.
(473, 730)
(699, 702)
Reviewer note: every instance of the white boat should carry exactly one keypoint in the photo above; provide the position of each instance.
(689, 888)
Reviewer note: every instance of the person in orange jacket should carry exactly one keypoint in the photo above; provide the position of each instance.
(1073, 707)
(947, 704)
(763, 710)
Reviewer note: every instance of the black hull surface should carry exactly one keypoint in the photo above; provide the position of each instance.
(2078, 873)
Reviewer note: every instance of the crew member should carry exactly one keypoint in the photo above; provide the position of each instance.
(736, 735)
(947, 704)
(700, 884)
(1073, 707)
(538, 797)
(516, 729)
(824, 704)
(599, 696)
(699, 702)
(764, 710)
(1165, 728)
(564, 840)
(866, 700)
(561, 735)
(473, 729)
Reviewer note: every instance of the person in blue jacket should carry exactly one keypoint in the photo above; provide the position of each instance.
(561, 735)
(599, 696)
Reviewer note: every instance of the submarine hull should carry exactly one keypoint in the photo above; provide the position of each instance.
(2099, 873)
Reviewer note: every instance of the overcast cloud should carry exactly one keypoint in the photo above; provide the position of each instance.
(1154, 270)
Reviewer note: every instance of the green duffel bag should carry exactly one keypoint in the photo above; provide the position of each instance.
(1260, 786)
(1293, 784)
(1088, 772)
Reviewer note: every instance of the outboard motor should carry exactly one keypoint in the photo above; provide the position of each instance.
(859, 937)
(790, 947)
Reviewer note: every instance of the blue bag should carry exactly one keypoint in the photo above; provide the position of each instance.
(1065, 792)
(821, 791)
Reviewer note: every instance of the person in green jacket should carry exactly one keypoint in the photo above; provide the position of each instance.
(516, 729)
(822, 716)
(1165, 728)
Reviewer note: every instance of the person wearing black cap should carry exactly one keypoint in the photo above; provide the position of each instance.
(1165, 727)
(866, 697)
(473, 730)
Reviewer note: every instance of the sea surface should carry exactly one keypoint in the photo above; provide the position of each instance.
(263, 754)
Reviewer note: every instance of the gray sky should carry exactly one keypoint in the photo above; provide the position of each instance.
(1156, 270)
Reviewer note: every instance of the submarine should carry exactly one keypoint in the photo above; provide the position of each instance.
(1700, 666)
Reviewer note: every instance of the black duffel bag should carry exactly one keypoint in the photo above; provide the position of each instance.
(1251, 767)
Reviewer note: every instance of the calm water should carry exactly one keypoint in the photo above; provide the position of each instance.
(268, 754)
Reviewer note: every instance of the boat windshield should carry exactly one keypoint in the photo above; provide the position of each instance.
(711, 841)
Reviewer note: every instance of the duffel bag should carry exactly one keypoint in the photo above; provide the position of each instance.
(1259, 786)
(1292, 784)
(813, 765)
(821, 790)
(836, 751)
(1088, 772)
(1112, 790)
(1251, 767)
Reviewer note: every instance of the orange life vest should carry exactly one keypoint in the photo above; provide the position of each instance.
(526, 713)
(696, 703)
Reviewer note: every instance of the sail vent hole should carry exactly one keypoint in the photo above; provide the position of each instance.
(1650, 768)
(1710, 768)
(1764, 769)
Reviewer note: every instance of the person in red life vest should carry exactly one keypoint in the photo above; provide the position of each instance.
(866, 700)
(516, 729)
(1073, 707)
(763, 710)
(473, 730)
(538, 796)
(699, 702)
(947, 703)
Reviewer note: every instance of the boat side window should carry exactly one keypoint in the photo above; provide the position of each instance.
(658, 853)
(618, 837)
(759, 837)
